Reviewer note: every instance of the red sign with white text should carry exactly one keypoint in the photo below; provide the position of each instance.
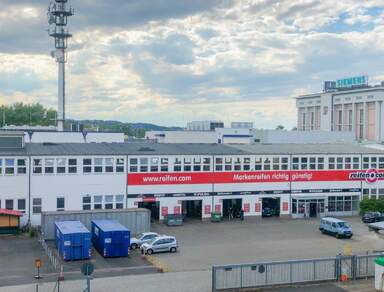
(370, 176)
(176, 210)
(246, 207)
(257, 207)
(207, 209)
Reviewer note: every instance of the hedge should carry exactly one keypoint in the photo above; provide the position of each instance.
(372, 204)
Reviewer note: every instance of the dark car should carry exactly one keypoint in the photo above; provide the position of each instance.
(371, 217)
(267, 212)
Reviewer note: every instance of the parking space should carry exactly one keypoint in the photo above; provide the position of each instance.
(203, 244)
(20, 252)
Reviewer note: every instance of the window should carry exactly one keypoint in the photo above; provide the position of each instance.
(365, 193)
(154, 164)
(37, 166)
(119, 164)
(133, 162)
(9, 204)
(219, 164)
(187, 164)
(381, 193)
(60, 204)
(312, 162)
(72, 165)
(49, 165)
(331, 163)
(87, 165)
(339, 162)
(276, 163)
(347, 161)
(295, 163)
(284, 163)
(87, 203)
(177, 164)
(108, 202)
(228, 164)
(365, 162)
(1, 166)
(258, 163)
(61, 165)
(9, 166)
(119, 201)
(356, 163)
(21, 205)
(304, 163)
(108, 164)
(246, 163)
(163, 164)
(36, 205)
(206, 164)
(373, 162)
(97, 202)
(267, 164)
(21, 166)
(320, 162)
(98, 165)
(331, 204)
(381, 163)
(237, 165)
(143, 164)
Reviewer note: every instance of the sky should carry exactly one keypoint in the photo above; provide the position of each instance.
(172, 61)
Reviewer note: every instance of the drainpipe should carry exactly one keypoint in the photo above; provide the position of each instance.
(29, 189)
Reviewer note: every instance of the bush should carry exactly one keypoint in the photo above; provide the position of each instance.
(373, 205)
(32, 231)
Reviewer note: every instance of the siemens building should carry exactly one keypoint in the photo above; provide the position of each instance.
(345, 105)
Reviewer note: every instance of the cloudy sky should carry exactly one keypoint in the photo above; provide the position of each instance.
(172, 61)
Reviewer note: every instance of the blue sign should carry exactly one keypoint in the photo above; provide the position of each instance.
(352, 82)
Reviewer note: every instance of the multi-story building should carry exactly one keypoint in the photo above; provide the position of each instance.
(297, 180)
(348, 105)
(204, 125)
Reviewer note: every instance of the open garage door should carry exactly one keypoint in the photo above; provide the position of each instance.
(192, 209)
(232, 206)
(271, 207)
(154, 207)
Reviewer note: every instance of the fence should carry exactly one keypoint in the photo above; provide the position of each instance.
(55, 261)
(290, 272)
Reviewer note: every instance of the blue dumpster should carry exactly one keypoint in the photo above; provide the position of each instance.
(72, 240)
(110, 238)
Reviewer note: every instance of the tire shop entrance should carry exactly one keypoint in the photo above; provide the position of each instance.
(192, 209)
(232, 205)
(271, 206)
(153, 206)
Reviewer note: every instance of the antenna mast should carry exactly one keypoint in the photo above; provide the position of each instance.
(58, 14)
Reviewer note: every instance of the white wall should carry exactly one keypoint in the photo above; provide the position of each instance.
(74, 137)
(182, 136)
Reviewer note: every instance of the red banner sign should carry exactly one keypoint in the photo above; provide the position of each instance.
(246, 207)
(164, 211)
(370, 176)
(257, 207)
(285, 206)
(218, 208)
(207, 209)
(177, 210)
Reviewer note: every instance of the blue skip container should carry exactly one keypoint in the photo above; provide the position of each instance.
(72, 240)
(110, 238)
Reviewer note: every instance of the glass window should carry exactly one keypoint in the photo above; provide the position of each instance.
(246, 163)
(228, 164)
(312, 162)
(9, 166)
(119, 164)
(267, 164)
(276, 163)
(320, 163)
(37, 166)
(339, 204)
(87, 165)
(294, 206)
(356, 163)
(119, 201)
(87, 203)
(98, 165)
(331, 204)
(381, 162)
(258, 163)
(331, 163)
(108, 202)
(49, 165)
(108, 164)
(133, 161)
(339, 161)
(21, 166)
(36, 205)
(61, 165)
(295, 163)
(97, 202)
(9, 204)
(72, 162)
(60, 204)
(304, 163)
(21, 205)
(365, 162)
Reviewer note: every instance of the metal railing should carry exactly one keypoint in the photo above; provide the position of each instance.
(264, 274)
(55, 261)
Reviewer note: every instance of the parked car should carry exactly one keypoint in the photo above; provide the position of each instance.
(371, 217)
(267, 212)
(142, 238)
(160, 244)
(336, 227)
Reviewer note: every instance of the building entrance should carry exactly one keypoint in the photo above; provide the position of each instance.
(192, 209)
(154, 207)
(270, 207)
(232, 208)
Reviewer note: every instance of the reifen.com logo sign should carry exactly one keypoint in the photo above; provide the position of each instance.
(370, 175)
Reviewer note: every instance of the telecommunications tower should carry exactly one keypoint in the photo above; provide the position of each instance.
(58, 14)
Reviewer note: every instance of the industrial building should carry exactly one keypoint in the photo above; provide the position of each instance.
(346, 105)
(297, 180)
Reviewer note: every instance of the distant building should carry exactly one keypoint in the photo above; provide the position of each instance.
(246, 125)
(345, 105)
(204, 125)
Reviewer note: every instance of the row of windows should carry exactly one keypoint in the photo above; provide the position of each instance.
(13, 166)
(72, 165)
(373, 193)
(17, 204)
(103, 202)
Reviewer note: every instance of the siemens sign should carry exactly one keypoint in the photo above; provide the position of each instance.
(358, 81)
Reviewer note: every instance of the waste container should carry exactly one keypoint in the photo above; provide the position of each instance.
(174, 219)
(379, 274)
(216, 217)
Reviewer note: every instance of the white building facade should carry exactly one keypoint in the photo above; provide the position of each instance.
(355, 110)
(190, 179)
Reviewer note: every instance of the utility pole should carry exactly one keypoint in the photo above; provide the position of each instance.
(58, 14)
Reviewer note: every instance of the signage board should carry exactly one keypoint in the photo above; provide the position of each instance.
(356, 81)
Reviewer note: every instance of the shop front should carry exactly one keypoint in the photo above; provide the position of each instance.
(308, 207)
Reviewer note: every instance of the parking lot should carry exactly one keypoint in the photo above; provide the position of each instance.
(203, 244)
(19, 253)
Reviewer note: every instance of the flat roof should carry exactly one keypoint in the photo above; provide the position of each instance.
(71, 226)
(109, 225)
(138, 149)
(342, 91)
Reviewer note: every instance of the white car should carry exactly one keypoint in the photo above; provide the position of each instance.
(162, 243)
(142, 238)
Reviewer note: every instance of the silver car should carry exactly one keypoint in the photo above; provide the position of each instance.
(160, 244)
(142, 238)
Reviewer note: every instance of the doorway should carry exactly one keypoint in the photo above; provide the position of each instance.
(271, 206)
(192, 209)
(154, 207)
(232, 205)
(313, 209)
